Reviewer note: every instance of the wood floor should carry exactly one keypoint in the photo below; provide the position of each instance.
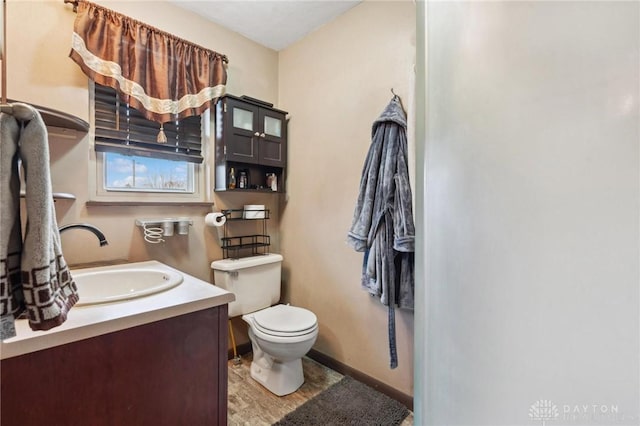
(252, 405)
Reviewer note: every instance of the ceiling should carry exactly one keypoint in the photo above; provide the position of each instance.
(274, 24)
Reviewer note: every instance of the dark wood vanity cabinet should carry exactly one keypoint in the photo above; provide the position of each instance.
(251, 136)
(170, 372)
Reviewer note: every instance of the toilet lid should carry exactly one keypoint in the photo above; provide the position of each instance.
(285, 319)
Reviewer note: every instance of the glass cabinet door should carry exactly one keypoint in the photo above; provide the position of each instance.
(242, 119)
(273, 139)
(241, 134)
(273, 126)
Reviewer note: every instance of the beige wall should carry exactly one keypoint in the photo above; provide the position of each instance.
(336, 81)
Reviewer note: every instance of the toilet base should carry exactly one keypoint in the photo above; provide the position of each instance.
(280, 378)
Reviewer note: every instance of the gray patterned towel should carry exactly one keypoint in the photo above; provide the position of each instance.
(34, 276)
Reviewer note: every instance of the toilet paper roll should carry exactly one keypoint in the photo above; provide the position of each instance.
(215, 219)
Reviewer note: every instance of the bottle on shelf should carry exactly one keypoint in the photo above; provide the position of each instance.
(242, 181)
(232, 179)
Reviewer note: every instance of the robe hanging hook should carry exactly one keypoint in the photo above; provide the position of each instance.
(395, 97)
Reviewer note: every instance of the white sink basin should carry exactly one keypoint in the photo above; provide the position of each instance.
(120, 284)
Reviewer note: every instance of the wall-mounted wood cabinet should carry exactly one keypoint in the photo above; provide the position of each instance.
(251, 136)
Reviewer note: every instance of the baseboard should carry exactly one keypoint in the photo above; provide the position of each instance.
(344, 369)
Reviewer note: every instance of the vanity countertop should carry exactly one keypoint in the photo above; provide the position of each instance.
(84, 322)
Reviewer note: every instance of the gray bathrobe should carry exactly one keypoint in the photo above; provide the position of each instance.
(382, 224)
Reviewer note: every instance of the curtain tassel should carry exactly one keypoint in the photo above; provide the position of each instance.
(162, 137)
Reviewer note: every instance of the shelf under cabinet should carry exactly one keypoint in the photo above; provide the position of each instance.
(246, 241)
(239, 214)
(245, 245)
(262, 191)
(256, 244)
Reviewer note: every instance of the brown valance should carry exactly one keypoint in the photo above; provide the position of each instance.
(162, 76)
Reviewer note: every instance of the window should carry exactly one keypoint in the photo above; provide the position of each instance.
(144, 174)
(131, 160)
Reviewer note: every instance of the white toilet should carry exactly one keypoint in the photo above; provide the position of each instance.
(280, 335)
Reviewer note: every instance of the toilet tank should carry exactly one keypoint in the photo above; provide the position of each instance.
(254, 280)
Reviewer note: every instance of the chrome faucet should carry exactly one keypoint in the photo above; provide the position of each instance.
(88, 227)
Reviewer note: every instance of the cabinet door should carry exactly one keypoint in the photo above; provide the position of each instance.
(170, 372)
(241, 131)
(273, 138)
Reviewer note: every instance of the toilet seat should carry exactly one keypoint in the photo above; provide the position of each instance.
(284, 321)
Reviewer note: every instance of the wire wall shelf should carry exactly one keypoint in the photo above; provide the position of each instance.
(238, 246)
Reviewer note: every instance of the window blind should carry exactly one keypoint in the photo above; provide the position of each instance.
(123, 129)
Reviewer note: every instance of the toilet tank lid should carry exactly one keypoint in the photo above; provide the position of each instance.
(245, 262)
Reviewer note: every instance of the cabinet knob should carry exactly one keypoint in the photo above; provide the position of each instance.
(256, 134)
(262, 135)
